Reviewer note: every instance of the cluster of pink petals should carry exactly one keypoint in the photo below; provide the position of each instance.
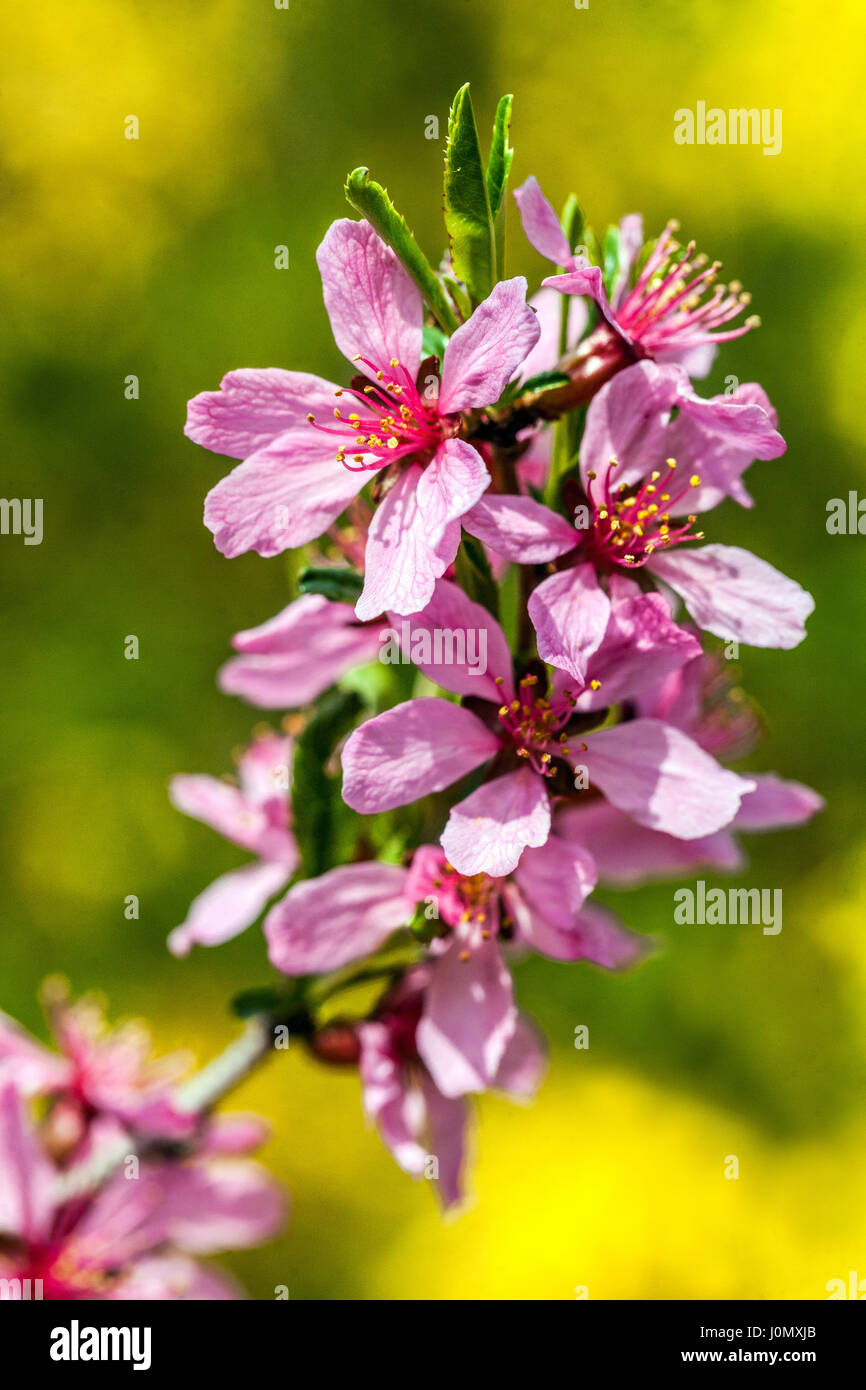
(97, 1072)
(131, 1238)
(646, 767)
(254, 814)
(451, 1027)
(674, 312)
(309, 446)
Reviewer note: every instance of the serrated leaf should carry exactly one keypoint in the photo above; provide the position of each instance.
(373, 203)
(467, 206)
(498, 169)
(474, 574)
(573, 221)
(316, 801)
(340, 585)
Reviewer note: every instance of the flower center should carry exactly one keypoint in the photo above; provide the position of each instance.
(676, 302)
(630, 523)
(394, 420)
(533, 725)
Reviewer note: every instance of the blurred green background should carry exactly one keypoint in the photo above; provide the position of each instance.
(156, 257)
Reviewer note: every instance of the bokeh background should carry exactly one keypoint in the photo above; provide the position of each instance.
(156, 257)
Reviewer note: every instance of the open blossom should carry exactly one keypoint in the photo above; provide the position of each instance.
(416, 1120)
(467, 1016)
(130, 1239)
(645, 476)
(292, 658)
(309, 446)
(674, 311)
(648, 768)
(98, 1072)
(699, 699)
(255, 815)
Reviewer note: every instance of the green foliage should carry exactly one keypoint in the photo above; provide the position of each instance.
(474, 574)
(498, 169)
(342, 585)
(373, 203)
(316, 801)
(468, 216)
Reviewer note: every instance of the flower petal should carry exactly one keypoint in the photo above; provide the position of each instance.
(626, 853)
(447, 1118)
(468, 1018)
(466, 646)
(374, 306)
(281, 497)
(488, 831)
(627, 421)
(253, 406)
(290, 659)
(570, 613)
(642, 645)
(660, 776)
(540, 223)
(451, 483)
(415, 748)
(523, 1062)
(520, 529)
(486, 351)
(734, 595)
(402, 561)
(323, 923)
(228, 906)
(26, 1176)
(775, 803)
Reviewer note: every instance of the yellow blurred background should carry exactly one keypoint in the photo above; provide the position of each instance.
(155, 257)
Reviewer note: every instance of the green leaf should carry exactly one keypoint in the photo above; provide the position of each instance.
(474, 574)
(573, 221)
(433, 341)
(545, 380)
(610, 254)
(316, 801)
(373, 203)
(498, 169)
(467, 206)
(255, 1001)
(341, 585)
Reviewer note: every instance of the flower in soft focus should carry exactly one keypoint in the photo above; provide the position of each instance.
(701, 700)
(133, 1237)
(306, 458)
(289, 660)
(649, 769)
(640, 469)
(467, 1016)
(99, 1072)
(674, 311)
(415, 1119)
(256, 815)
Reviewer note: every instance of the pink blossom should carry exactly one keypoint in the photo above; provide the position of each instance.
(289, 660)
(417, 1122)
(98, 1072)
(305, 459)
(640, 468)
(650, 769)
(255, 815)
(698, 699)
(465, 1019)
(129, 1239)
(674, 312)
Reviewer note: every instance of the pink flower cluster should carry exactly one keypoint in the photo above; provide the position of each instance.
(591, 748)
(109, 1187)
